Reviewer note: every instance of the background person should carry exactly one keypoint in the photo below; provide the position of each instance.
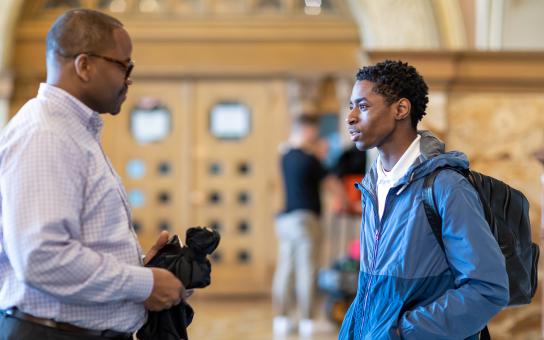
(298, 227)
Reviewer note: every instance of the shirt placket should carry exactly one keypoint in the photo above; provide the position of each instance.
(126, 206)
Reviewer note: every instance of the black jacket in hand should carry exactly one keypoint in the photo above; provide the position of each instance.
(191, 266)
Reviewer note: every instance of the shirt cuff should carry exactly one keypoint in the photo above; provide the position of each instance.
(139, 283)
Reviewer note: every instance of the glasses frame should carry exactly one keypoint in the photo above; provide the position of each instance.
(128, 66)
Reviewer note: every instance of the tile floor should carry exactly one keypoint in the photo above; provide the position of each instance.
(243, 319)
(251, 319)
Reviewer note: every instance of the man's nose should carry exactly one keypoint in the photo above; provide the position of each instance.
(352, 118)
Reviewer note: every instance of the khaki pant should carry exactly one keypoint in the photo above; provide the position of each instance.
(299, 239)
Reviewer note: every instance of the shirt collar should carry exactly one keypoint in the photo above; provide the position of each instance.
(89, 118)
(402, 166)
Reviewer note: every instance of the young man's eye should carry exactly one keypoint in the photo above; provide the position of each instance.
(363, 107)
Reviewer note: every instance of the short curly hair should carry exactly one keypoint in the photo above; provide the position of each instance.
(395, 80)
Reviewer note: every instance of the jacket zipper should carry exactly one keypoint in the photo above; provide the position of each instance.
(377, 235)
(374, 258)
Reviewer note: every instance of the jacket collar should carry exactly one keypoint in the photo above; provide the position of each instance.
(433, 156)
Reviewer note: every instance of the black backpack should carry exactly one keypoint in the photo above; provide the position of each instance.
(507, 212)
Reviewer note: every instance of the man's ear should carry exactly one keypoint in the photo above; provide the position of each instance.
(403, 109)
(82, 67)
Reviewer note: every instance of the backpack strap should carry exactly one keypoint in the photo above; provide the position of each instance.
(484, 334)
(429, 203)
(430, 207)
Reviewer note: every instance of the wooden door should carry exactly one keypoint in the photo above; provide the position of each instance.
(229, 184)
(236, 180)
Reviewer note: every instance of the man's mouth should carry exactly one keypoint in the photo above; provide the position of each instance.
(354, 134)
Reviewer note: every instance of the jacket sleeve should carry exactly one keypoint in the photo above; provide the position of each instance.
(476, 261)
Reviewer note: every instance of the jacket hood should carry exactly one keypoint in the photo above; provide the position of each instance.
(433, 156)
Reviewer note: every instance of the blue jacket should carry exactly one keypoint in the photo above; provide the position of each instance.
(407, 284)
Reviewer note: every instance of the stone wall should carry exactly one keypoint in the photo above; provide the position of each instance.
(499, 131)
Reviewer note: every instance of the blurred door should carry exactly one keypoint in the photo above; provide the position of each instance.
(238, 127)
(216, 166)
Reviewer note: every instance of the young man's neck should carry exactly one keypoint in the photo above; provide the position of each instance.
(391, 152)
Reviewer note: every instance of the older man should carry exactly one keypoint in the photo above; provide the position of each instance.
(71, 266)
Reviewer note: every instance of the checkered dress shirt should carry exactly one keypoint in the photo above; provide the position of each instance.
(67, 248)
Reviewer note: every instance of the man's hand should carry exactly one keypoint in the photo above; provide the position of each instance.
(161, 241)
(167, 291)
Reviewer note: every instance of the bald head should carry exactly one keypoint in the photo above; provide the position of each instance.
(78, 31)
(89, 56)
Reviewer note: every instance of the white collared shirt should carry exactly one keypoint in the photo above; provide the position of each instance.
(388, 179)
(67, 248)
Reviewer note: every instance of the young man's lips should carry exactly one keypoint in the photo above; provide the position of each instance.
(354, 134)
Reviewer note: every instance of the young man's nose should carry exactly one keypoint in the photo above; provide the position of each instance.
(351, 119)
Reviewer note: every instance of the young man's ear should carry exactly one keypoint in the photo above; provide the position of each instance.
(403, 109)
(82, 67)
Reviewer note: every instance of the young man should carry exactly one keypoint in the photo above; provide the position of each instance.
(70, 263)
(408, 287)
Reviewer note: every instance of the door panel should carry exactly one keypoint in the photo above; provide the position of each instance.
(246, 183)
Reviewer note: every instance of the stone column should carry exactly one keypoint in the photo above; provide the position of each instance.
(393, 31)
(489, 24)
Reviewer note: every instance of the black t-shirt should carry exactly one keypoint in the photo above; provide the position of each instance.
(351, 162)
(302, 174)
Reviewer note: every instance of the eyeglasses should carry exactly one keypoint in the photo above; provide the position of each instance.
(127, 66)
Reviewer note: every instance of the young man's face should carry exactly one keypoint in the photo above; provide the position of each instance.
(370, 121)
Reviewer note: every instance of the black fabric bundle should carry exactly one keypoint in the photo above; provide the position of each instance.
(191, 266)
